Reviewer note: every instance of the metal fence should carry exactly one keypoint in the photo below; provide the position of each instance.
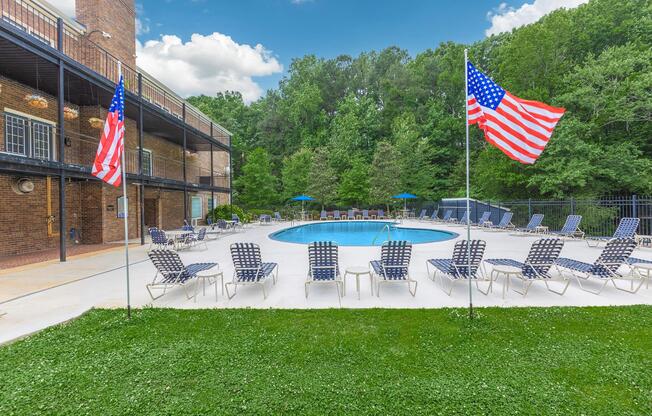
(600, 216)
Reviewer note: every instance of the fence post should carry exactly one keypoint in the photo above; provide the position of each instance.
(529, 208)
(634, 206)
(572, 203)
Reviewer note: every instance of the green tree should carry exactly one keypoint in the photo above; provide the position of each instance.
(323, 178)
(384, 174)
(257, 184)
(296, 173)
(354, 187)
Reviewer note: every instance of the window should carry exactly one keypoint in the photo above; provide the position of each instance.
(16, 134)
(121, 207)
(147, 162)
(196, 207)
(30, 138)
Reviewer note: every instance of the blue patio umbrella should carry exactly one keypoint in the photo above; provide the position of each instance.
(405, 196)
(303, 198)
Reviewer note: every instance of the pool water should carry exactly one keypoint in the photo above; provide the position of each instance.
(358, 233)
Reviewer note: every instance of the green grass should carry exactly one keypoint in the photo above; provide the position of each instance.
(507, 361)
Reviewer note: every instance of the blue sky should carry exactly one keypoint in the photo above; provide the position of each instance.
(286, 29)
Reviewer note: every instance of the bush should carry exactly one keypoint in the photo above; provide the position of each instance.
(223, 212)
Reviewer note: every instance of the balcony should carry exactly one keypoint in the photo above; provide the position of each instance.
(43, 25)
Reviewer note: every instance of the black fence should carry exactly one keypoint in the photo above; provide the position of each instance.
(600, 216)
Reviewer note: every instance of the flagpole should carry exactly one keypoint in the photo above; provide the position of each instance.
(126, 206)
(468, 183)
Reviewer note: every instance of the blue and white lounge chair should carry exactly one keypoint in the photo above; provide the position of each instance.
(323, 266)
(336, 215)
(448, 214)
(571, 227)
(456, 269)
(626, 229)
(365, 214)
(249, 269)
(195, 240)
(393, 265)
(380, 215)
(171, 272)
(463, 220)
(433, 216)
(422, 215)
(505, 222)
(605, 269)
(265, 219)
(323, 216)
(350, 215)
(536, 267)
(483, 219)
(277, 217)
(159, 239)
(531, 227)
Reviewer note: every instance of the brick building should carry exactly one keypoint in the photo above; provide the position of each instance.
(57, 77)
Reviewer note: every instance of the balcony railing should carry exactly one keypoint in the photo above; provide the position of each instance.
(41, 23)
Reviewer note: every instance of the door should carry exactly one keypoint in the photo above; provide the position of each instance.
(151, 212)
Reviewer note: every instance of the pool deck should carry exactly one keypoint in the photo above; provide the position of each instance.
(39, 296)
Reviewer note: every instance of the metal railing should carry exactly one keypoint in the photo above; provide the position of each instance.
(600, 216)
(42, 24)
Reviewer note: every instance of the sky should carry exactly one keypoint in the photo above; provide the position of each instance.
(248, 45)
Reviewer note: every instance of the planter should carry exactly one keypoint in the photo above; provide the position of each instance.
(36, 101)
(96, 123)
(70, 113)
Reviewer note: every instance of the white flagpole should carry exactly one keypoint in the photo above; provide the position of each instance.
(126, 206)
(468, 182)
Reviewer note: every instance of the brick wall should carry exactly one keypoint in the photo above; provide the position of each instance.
(112, 226)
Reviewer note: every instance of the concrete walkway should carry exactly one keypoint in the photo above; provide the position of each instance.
(99, 281)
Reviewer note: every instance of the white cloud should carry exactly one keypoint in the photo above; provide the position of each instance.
(142, 26)
(506, 18)
(207, 64)
(66, 6)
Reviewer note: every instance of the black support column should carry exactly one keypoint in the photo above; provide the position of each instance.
(212, 176)
(140, 159)
(185, 184)
(62, 135)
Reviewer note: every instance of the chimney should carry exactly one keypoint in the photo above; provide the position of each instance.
(116, 18)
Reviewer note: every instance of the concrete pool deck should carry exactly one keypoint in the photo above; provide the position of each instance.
(99, 281)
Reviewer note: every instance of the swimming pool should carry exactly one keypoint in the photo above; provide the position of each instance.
(358, 233)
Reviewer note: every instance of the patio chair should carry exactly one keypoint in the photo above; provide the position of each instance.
(531, 227)
(422, 215)
(265, 219)
(277, 217)
(626, 229)
(194, 240)
(536, 267)
(336, 214)
(159, 239)
(571, 227)
(350, 215)
(323, 216)
(505, 223)
(605, 268)
(171, 272)
(484, 218)
(463, 220)
(433, 216)
(380, 215)
(448, 214)
(393, 265)
(365, 214)
(237, 223)
(323, 266)
(249, 268)
(456, 269)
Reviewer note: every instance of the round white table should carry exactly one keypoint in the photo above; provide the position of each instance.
(358, 271)
(506, 271)
(644, 270)
(210, 275)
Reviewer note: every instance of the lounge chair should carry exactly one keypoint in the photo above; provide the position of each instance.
(277, 217)
(504, 224)
(626, 229)
(456, 269)
(265, 219)
(536, 267)
(463, 220)
(194, 240)
(531, 227)
(448, 214)
(171, 272)
(350, 215)
(605, 268)
(393, 265)
(433, 216)
(249, 269)
(336, 215)
(422, 215)
(323, 216)
(483, 219)
(381, 214)
(323, 266)
(159, 239)
(571, 227)
(365, 214)
(237, 223)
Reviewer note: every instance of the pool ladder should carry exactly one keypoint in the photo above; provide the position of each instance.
(389, 234)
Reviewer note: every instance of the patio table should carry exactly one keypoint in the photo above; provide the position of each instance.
(644, 270)
(507, 272)
(212, 276)
(358, 271)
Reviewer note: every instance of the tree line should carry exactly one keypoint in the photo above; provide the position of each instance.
(355, 130)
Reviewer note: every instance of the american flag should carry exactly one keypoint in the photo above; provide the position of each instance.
(520, 128)
(107, 165)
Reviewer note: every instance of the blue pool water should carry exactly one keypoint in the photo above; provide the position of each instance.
(358, 233)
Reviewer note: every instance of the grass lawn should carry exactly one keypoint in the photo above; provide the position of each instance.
(528, 361)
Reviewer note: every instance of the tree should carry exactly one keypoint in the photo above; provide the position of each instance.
(384, 174)
(296, 173)
(323, 178)
(354, 187)
(257, 184)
